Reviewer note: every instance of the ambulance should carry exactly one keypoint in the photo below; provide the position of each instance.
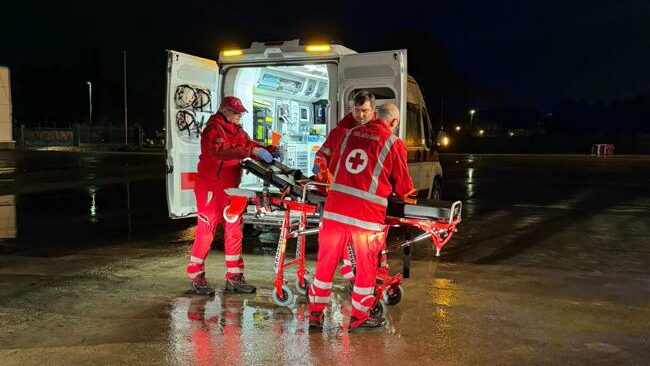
(297, 90)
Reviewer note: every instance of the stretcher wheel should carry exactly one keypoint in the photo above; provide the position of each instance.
(393, 295)
(287, 296)
(300, 289)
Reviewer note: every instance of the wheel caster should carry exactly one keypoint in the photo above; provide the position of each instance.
(285, 299)
(303, 289)
(393, 295)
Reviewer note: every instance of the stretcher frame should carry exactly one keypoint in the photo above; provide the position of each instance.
(301, 206)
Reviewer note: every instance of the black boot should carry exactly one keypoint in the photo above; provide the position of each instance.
(369, 324)
(199, 286)
(316, 319)
(238, 284)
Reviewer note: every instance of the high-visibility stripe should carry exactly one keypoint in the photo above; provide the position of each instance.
(319, 299)
(234, 270)
(348, 275)
(325, 151)
(363, 290)
(380, 163)
(195, 274)
(352, 221)
(196, 260)
(336, 187)
(357, 305)
(233, 257)
(347, 262)
(343, 144)
(322, 285)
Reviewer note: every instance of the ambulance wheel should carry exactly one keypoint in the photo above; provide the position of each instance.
(303, 289)
(285, 299)
(436, 189)
(378, 310)
(393, 295)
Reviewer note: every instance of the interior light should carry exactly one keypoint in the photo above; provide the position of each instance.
(231, 53)
(318, 48)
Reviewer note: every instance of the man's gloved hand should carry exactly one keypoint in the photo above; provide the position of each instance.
(411, 197)
(275, 152)
(263, 155)
(315, 169)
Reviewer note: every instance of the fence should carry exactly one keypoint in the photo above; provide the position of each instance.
(101, 136)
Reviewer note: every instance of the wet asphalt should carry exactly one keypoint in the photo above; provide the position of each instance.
(550, 266)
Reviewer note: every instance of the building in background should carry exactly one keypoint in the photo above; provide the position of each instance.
(6, 140)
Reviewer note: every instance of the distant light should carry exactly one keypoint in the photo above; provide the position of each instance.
(481, 132)
(445, 141)
(472, 111)
(231, 53)
(318, 48)
(457, 128)
(511, 133)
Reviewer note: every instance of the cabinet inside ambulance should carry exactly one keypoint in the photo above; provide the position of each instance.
(292, 100)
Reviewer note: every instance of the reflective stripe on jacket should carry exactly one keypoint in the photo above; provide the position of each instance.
(368, 166)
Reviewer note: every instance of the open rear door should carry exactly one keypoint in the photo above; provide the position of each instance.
(377, 71)
(191, 99)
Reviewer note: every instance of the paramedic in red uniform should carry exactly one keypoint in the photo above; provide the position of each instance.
(362, 113)
(368, 166)
(223, 144)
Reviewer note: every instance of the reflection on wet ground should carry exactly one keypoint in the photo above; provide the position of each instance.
(550, 266)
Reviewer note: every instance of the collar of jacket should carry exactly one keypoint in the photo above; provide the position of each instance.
(227, 125)
(380, 123)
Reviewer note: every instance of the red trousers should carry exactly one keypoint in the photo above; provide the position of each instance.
(347, 269)
(210, 203)
(332, 240)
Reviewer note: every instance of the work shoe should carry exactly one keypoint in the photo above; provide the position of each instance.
(199, 286)
(238, 284)
(316, 319)
(369, 324)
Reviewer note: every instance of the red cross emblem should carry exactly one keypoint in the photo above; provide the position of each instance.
(356, 161)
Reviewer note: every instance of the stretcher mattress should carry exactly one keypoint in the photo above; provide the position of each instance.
(441, 210)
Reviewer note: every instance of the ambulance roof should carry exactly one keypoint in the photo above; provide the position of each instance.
(282, 51)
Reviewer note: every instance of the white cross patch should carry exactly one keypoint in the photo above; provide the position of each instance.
(356, 161)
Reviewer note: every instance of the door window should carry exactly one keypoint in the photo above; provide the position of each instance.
(414, 134)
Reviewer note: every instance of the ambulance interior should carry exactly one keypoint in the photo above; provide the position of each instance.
(293, 100)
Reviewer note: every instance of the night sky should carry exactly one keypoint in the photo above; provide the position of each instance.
(485, 53)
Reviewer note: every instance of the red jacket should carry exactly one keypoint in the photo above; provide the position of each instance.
(223, 144)
(324, 154)
(368, 166)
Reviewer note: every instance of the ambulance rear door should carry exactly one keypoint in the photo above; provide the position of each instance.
(373, 70)
(192, 84)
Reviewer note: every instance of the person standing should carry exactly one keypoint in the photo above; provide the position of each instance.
(223, 144)
(369, 165)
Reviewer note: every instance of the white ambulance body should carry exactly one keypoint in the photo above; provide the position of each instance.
(298, 90)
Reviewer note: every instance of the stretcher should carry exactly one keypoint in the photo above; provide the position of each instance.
(297, 202)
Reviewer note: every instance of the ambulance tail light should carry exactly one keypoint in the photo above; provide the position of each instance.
(318, 48)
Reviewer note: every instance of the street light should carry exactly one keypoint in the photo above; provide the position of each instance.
(90, 102)
(457, 128)
(471, 117)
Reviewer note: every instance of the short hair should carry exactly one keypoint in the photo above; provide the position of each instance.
(364, 96)
(388, 111)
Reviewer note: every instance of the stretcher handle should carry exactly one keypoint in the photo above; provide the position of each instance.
(297, 233)
(458, 205)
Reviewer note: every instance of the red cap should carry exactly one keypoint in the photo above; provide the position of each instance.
(233, 103)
